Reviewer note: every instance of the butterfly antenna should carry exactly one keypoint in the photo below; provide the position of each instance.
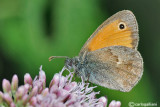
(52, 57)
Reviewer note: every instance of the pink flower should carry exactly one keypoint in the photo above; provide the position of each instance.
(62, 92)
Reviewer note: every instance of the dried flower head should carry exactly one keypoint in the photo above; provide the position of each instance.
(62, 92)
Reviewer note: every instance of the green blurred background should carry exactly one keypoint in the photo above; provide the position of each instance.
(33, 30)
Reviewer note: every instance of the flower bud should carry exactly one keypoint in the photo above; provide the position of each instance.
(6, 86)
(14, 83)
(7, 98)
(28, 79)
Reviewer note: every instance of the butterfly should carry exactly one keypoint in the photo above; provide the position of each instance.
(109, 57)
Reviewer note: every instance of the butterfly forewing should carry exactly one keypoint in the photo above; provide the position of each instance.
(121, 29)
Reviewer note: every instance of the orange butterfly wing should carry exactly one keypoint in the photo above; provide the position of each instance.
(120, 29)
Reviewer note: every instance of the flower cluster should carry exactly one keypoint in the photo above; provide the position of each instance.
(62, 92)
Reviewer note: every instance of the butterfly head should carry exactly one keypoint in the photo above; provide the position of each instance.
(71, 63)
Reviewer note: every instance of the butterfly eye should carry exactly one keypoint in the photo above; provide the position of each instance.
(122, 25)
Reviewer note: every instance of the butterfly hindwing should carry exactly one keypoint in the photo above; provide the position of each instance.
(115, 67)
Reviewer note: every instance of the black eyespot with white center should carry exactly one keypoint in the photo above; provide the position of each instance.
(122, 25)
